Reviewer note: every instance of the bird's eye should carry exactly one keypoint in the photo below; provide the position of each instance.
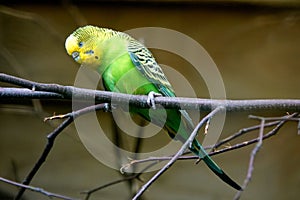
(80, 44)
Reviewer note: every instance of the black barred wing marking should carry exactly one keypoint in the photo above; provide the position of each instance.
(146, 64)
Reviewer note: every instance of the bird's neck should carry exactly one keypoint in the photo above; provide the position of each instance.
(110, 51)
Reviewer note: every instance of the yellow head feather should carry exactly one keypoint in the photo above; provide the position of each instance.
(82, 44)
(87, 45)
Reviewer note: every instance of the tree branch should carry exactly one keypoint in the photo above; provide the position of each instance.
(22, 93)
(51, 138)
(36, 189)
(70, 92)
(277, 124)
(179, 153)
(134, 176)
(252, 157)
(35, 90)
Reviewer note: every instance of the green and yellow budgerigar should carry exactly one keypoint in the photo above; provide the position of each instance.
(127, 66)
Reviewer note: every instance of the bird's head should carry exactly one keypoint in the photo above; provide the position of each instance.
(82, 45)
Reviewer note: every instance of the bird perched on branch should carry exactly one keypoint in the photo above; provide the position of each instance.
(127, 66)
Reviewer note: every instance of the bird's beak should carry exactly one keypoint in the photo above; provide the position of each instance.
(75, 56)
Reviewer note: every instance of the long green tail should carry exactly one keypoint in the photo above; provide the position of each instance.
(199, 151)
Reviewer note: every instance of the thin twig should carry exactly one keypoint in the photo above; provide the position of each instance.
(51, 138)
(90, 192)
(135, 176)
(252, 157)
(247, 130)
(273, 132)
(241, 132)
(178, 154)
(255, 140)
(36, 189)
(273, 118)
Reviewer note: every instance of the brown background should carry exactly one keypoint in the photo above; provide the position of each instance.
(255, 46)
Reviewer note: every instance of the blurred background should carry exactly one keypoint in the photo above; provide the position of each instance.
(255, 45)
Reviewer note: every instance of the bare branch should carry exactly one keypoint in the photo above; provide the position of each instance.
(51, 138)
(252, 157)
(22, 93)
(90, 192)
(241, 132)
(135, 176)
(70, 92)
(36, 189)
(277, 124)
(37, 90)
(179, 153)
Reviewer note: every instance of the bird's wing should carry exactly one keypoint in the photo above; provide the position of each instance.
(144, 61)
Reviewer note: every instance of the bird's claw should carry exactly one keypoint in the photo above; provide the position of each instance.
(150, 99)
(108, 107)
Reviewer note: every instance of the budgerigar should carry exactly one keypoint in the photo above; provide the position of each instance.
(127, 66)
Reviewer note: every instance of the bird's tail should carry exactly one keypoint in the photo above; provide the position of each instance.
(199, 151)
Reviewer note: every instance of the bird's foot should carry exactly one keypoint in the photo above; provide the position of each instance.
(109, 107)
(150, 100)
